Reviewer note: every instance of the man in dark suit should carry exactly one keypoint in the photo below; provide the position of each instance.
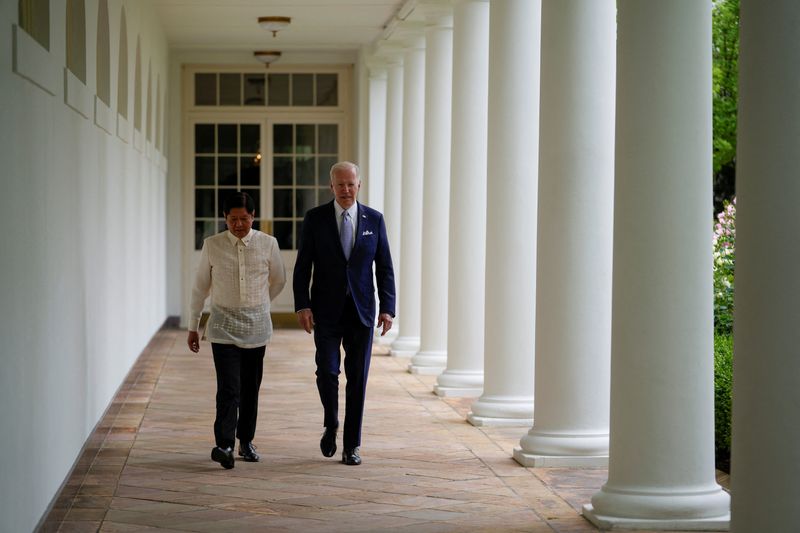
(340, 242)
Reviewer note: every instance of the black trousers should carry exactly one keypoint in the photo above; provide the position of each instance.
(239, 372)
(356, 339)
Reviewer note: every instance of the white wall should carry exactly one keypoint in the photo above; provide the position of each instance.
(83, 258)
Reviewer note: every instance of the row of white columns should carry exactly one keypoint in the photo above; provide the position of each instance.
(520, 212)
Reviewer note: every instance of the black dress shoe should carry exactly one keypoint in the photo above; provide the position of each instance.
(327, 444)
(351, 457)
(248, 452)
(223, 456)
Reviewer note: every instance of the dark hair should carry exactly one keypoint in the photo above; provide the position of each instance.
(238, 199)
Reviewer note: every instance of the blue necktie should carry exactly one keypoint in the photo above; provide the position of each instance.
(346, 235)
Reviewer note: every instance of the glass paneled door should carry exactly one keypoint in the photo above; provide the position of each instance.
(227, 158)
(283, 164)
(302, 156)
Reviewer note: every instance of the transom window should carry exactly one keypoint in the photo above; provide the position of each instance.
(272, 90)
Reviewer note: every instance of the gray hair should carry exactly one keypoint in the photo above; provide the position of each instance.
(346, 165)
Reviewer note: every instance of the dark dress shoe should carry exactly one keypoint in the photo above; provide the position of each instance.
(223, 457)
(247, 451)
(351, 457)
(327, 444)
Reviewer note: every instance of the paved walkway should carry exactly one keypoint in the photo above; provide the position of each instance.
(147, 466)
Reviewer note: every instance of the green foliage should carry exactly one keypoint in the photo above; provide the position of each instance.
(724, 241)
(723, 382)
(725, 38)
(725, 79)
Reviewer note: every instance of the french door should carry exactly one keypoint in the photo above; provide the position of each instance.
(282, 162)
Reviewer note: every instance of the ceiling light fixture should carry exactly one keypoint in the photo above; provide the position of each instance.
(274, 24)
(267, 56)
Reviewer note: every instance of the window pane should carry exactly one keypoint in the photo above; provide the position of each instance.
(205, 89)
(328, 139)
(282, 170)
(282, 138)
(226, 171)
(324, 172)
(304, 139)
(203, 229)
(302, 89)
(327, 89)
(325, 195)
(298, 232)
(253, 89)
(282, 231)
(227, 139)
(204, 170)
(282, 203)
(278, 89)
(250, 136)
(230, 89)
(305, 200)
(204, 203)
(250, 174)
(204, 138)
(222, 195)
(305, 172)
(255, 194)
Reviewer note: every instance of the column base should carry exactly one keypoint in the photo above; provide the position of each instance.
(540, 448)
(487, 421)
(459, 384)
(721, 523)
(425, 370)
(698, 508)
(405, 346)
(457, 392)
(501, 411)
(562, 461)
(428, 363)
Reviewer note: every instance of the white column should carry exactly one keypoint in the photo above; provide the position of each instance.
(393, 176)
(432, 355)
(377, 135)
(661, 463)
(407, 342)
(573, 269)
(513, 159)
(467, 266)
(766, 435)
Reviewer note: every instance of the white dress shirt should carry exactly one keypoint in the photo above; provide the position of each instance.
(242, 276)
(353, 210)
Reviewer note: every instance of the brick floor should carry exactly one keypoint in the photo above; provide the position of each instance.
(147, 465)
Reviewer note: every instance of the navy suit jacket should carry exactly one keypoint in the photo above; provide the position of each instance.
(321, 262)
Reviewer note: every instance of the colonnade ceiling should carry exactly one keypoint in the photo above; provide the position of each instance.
(231, 25)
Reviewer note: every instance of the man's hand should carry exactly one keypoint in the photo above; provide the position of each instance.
(306, 319)
(193, 341)
(385, 321)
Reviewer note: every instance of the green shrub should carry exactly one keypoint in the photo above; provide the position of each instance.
(723, 382)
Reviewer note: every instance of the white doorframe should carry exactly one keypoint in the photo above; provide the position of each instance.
(266, 117)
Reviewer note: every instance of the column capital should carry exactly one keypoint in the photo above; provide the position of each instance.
(377, 71)
(390, 52)
(410, 34)
(376, 65)
(437, 13)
